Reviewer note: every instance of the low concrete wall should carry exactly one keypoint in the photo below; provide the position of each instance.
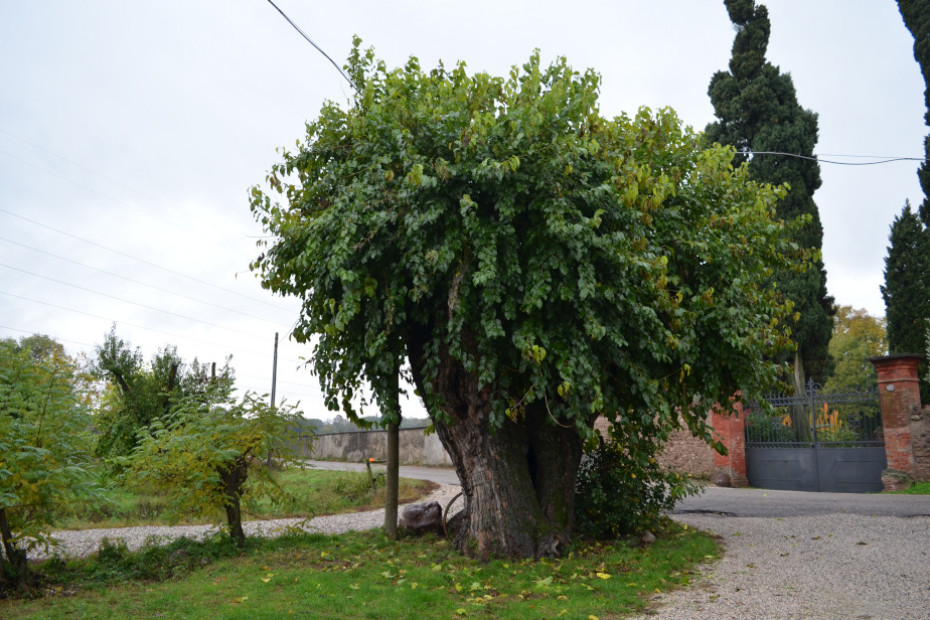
(415, 447)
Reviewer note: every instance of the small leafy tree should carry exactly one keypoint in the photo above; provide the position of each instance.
(206, 456)
(857, 336)
(139, 393)
(44, 449)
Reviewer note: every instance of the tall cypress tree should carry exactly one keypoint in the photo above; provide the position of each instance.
(906, 295)
(758, 111)
(907, 266)
(916, 14)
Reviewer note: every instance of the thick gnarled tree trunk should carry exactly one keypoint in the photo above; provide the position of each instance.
(518, 480)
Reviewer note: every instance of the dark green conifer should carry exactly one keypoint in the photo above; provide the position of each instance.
(916, 14)
(758, 112)
(907, 266)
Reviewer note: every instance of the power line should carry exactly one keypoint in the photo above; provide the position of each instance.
(57, 338)
(318, 48)
(127, 301)
(134, 281)
(81, 185)
(150, 329)
(827, 161)
(73, 163)
(143, 261)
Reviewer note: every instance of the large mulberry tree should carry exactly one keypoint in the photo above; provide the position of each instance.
(532, 265)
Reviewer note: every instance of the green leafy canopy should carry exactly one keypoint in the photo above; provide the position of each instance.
(601, 266)
(45, 456)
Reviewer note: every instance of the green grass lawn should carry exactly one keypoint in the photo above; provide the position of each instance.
(313, 492)
(362, 575)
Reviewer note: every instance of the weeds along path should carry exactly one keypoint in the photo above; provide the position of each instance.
(81, 543)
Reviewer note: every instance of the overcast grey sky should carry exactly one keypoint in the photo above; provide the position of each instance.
(131, 131)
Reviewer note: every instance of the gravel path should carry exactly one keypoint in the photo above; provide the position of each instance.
(837, 566)
(81, 543)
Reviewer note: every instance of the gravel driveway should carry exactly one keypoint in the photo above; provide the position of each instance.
(837, 566)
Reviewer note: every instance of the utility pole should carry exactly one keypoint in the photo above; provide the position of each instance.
(274, 370)
(274, 384)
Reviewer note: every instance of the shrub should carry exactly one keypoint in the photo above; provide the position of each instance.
(768, 429)
(618, 495)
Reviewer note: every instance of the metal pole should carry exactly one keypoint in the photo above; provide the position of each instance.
(274, 383)
(810, 388)
(274, 369)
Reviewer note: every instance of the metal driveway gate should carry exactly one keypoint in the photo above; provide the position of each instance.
(816, 442)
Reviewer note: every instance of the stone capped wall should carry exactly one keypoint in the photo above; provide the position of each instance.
(684, 453)
(414, 447)
(920, 440)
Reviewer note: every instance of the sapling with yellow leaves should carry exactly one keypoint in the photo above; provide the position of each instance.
(206, 456)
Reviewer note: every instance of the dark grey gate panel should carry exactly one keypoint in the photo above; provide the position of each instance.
(786, 469)
(816, 441)
(851, 470)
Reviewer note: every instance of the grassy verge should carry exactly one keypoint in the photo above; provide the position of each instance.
(919, 488)
(363, 575)
(313, 492)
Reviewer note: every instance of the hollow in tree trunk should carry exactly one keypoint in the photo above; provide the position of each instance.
(518, 480)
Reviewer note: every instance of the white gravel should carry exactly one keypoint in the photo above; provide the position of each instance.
(837, 566)
(81, 543)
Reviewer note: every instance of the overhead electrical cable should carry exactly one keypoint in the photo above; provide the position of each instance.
(81, 185)
(818, 159)
(134, 281)
(145, 262)
(129, 301)
(182, 338)
(75, 164)
(53, 336)
(318, 48)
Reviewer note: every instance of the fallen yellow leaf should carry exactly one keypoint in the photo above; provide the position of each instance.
(603, 575)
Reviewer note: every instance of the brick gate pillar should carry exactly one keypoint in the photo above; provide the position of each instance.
(899, 394)
(731, 431)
